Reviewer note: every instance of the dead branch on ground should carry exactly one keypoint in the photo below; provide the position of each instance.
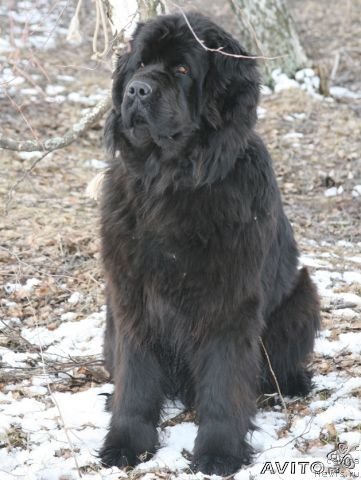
(55, 143)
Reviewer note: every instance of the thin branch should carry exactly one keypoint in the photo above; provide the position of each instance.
(21, 179)
(19, 109)
(275, 380)
(51, 144)
(65, 428)
(220, 49)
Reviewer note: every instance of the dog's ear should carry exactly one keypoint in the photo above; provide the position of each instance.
(230, 107)
(234, 78)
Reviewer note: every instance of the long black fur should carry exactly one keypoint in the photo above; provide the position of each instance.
(200, 259)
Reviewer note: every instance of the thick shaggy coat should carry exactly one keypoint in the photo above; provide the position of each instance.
(200, 259)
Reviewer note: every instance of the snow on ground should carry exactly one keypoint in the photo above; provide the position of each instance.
(48, 434)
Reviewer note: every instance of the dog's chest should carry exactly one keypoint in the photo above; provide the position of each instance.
(172, 254)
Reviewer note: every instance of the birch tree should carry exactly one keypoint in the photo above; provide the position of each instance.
(268, 29)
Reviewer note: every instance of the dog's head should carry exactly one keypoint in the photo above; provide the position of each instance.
(171, 91)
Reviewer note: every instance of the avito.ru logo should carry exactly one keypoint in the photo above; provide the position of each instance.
(339, 462)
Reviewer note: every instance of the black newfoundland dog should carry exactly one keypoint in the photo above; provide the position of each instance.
(200, 259)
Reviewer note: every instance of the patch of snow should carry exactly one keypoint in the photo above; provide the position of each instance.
(348, 342)
(56, 99)
(173, 441)
(20, 408)
(305, 79)
(29, 156)
(53, 90)
(65, 78)
(68, 316)
(261, 112)
(29, 91)
(354, 259)
(88, 100)
(356, 191)
(5, 45)
(333, 191)
(75, 298)
(16, 287)
(282, 81)
(346, 313)
(35, 390)
(353, 439)
(342, 92)
(308, 79)
(293, 135)
(304, 73)
(13, 359)
(9, 322)
(97, 164)
(324, 280)
(78, 338)
(265, 90)
(310, 261)
(345, 297)
(300, 116)
(351, 277)
(8, 77)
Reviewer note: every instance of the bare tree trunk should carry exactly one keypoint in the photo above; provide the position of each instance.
(270, 31)
(124, 14)
(150, 8)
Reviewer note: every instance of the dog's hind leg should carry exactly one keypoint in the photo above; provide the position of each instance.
(288, 339)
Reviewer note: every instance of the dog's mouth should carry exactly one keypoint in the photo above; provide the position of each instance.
(144, 126)
(141, 128)
(135, 117)
(136, 123)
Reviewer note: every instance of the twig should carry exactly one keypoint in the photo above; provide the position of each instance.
(305, 430)
(19, 109)
(21, 179)
(339, 306)
(57, 21)
(51, 144)
(220, 49)
(28, 265)
(27, 77)
(54, 399)
(275, 380)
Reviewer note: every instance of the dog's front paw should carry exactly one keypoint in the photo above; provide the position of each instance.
(216, 465)
(122, 457)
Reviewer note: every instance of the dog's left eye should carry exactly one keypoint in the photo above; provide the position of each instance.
(182, 69)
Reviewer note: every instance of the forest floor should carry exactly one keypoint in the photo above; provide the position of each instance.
(52, 418)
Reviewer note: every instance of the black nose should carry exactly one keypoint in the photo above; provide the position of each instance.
(139, 89)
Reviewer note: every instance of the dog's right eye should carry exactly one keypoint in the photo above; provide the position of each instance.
(182, 69)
